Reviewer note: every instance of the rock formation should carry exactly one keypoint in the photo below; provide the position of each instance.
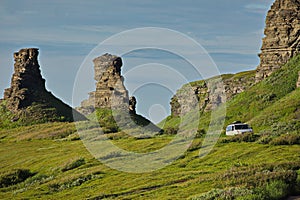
(282, 37)
(26, 79)
(28, 96)
(132, 105)
(281, 42)
(110, 90)
(111, 94)
(206, 95)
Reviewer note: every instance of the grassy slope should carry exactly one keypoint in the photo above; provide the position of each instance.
(272, 101)
(254, 101)
(63, 168)
(187, 177)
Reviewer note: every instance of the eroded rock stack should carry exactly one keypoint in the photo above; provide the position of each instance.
(28, 98)
(111, 94)
(110, 90)
(26, 81)
(282, 37)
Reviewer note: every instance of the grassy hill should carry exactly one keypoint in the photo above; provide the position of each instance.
(49, 161)
(271, 107)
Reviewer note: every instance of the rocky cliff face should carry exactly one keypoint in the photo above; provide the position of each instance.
(282, 37)
(27, 95)
(205, 95)
(110, 90)
(281, 42)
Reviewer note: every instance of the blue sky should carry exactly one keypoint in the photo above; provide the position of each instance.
(66, 31)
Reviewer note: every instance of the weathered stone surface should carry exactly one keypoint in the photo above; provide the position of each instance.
(206, 95)
(298, 82)
(26, 80)
(281, 42)
(111, 94)
(28, 90)
(282, 37)
(132, 105)
(110, 90)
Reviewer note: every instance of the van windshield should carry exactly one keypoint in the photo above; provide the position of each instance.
(242, 126)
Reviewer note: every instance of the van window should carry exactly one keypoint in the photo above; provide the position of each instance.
(242, 126)
(229, 128)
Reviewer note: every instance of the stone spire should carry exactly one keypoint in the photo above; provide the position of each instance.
(110, 90)
(282, 37)
(26, 80)
(27, 94)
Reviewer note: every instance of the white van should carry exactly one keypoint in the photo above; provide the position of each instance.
(238, 128)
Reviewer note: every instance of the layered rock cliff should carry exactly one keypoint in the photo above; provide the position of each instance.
(27, 96)
(282, 37)
(205, 95)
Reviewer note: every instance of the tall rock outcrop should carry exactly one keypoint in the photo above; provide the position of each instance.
(281, 42)
(111, 94)
(110, 90)
(282, 37)
(27, 96)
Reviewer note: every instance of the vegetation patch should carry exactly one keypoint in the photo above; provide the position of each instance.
(245, 137)
(286, 139)
(73, 164)
(14, 177)
(229, 193)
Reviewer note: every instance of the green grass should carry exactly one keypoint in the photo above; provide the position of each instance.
(117, 120)
(271, 106)
(252, 103)
(48, 161)
(64, 168)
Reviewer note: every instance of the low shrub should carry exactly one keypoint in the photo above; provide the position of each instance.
(112, 155)
(274, 190)
(265, 138)
(197, 144)
(74, 164)
(170, 131)
(229, 194)
(15, 176)
(257, 176)
(38, 178)
(74, 182)
(286, 139)
(200, 133)
(245, 137)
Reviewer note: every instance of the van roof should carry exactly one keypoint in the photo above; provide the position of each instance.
(237, 124)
